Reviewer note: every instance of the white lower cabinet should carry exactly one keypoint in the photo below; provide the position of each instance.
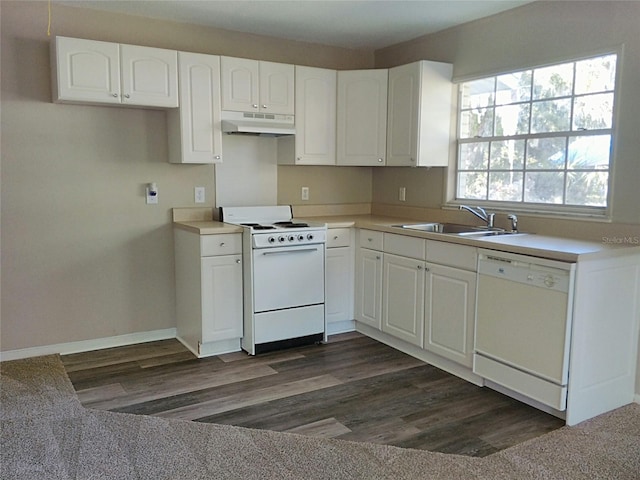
(368, 298)
(403, 298)
(450, 300)
(209, 292)
(339, 283)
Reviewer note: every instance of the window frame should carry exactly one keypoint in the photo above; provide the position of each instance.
(545, 209)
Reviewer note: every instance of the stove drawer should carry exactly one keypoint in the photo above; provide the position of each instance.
(221, 244)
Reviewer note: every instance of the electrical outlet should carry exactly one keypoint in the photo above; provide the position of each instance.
(199, 194)
(402, 194)
(305, 193)
(151, 194)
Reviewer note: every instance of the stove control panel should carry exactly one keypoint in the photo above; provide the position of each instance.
(279, 239)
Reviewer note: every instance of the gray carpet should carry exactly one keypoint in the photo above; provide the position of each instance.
(47, 434)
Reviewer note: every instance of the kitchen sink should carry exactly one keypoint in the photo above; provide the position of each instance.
(455, 229)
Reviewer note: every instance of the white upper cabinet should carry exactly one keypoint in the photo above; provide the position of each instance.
(362, 117)
(315, 140)
(149, 76)
(88, 71)
(257, 86)
(419, 114)
(195, 134)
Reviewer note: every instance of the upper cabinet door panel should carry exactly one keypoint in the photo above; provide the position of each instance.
(239, 82)
(276, 88)
(362, 117)
(149, 76)
(85, 70)
(402, 127)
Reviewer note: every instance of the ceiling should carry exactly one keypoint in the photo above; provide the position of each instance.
(370, 24)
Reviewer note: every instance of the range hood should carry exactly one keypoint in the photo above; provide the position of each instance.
(263, 124)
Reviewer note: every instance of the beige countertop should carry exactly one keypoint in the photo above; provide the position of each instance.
(555, 248)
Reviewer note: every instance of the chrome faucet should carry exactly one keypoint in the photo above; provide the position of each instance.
(482, 214)
(514, 222)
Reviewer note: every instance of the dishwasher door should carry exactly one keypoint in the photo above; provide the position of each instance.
(523, 325)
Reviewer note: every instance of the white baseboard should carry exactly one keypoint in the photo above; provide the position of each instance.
(87, 345)
(636, 399)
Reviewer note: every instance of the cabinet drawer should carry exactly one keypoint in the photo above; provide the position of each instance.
(222, 244)
(371, 239)
(452, 255)
(338, 237)
(404, 245)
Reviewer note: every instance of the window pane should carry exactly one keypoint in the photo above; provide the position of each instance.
(593, 111)
(478, 94)
(513, 88)
(507, 155)
(590, 152)
(544, 187)
(587, 188)
(546, 153)
(512, 119)
(596, 75)
(552, 82)
(505, 186)
(472, 185)
(476, 123)
(550, 116)
(473, 156)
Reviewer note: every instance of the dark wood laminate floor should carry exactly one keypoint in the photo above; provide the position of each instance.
(352, 388)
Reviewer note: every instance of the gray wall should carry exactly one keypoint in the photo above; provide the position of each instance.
(83, 256)
(538, 33)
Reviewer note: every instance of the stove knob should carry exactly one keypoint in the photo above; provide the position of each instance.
(309, 236)
(281, 239)
(291, 238)
(272, 240)
(300, 238)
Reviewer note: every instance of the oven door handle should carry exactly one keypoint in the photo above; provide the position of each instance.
(285, 252)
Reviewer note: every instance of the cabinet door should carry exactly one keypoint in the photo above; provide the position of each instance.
(85, 70)
(339, 284)
(221, 297)
(403, 298)
(362, 117)
(239, 82)
(402, 120)
(149, 76)
(450, 305)
(276, 88)
(195, 134)
(315, 139)
(369, 288)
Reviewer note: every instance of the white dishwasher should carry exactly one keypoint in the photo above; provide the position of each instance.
(523, 325)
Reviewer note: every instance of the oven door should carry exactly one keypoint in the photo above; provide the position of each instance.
(286, 277)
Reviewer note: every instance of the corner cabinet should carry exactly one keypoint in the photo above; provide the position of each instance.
(89, 71)
(315, 112)
(419, 114)
(257, 86)
(195, 134)
(362, 117)
(209, 292)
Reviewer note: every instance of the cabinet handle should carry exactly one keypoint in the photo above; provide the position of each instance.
(126, 95)
(377, 257)
(222, 244)
(264, 106)
(426, 269)
(379, 160)
(216, 157)
(335, 237)
(114, 95)
(238, 261)
(255, 105)
(370, 239)
(419, 267)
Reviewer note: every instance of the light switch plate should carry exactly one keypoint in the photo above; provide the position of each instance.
(199, 194)
(305, 193)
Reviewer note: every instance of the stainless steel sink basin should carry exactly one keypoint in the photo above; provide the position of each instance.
(455, 229)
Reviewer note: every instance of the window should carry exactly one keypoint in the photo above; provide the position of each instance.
(538, 137)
